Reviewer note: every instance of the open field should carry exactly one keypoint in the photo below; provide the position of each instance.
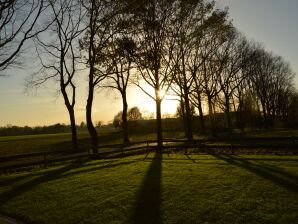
(170, 188)
(61, 142)
(12, 145)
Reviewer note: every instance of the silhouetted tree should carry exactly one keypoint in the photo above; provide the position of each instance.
(134, 114)
(117, 121)
(271, 79)
(292, 109)
(154, 38)
(211, 67)
(58, 55)
(18, 20)
(194, 20)
(181, 113)
(120, 58)
(101, 16)
(231, 55)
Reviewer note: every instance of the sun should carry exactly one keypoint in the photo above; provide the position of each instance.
(161, 94)
(148, 104)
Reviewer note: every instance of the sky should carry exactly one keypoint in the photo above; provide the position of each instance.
(271, 22)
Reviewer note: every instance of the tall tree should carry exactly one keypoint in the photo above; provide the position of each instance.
(271, 78)
(231, 54)
(155, 41)
(210, 68)
(101, 16)
(58, 54)
(120, 58)
(194, 20)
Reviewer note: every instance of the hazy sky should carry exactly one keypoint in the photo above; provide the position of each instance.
(272, 22)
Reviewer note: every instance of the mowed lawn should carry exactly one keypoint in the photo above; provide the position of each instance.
(172, 188)
(12, 145)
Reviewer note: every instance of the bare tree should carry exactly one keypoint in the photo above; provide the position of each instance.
(195, 20)
(120, 58)
(58, 55)
(271, 81)
(18, 23)
(231, 55)
(211, 68)
(292, 109)
(154, 37)
(101, 17)
(186, 20)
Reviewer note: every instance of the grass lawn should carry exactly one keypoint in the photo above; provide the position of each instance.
(11, 145)
(159, 189)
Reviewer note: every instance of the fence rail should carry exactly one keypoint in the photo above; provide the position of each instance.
(284, 145)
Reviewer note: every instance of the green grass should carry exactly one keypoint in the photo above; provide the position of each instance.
(59, 142)
(173, 188)
(274, 133)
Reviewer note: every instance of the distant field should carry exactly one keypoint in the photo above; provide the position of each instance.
(59, 142)
(37, 143)
(168, 189)
(55, 142)
(275, 133)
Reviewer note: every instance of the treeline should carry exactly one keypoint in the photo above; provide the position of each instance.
(12, 130)
(188, 48)
(26, 130)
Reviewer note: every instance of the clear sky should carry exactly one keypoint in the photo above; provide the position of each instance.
(272, 22)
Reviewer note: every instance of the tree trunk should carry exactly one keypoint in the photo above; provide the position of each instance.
(240, 117)
(124, 119)
(183, 115)
(189, 133)
(74, 135)
(91, 60)
(158, 123)
(70, 109)
(211, 117)
(265, 115)
(90, 126)
(228, 114)
(202, 121)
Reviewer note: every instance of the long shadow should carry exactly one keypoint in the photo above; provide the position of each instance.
(273, 159)
(269, 172)
(148, 204)
(53, 175)
(191, 159)
(27, 186)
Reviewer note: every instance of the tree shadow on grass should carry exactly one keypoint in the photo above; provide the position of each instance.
(27, 186)
(269, 172)
(147, 208)
(191, 159)
(55, 174)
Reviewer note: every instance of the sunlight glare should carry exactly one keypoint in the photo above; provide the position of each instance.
(161, 93)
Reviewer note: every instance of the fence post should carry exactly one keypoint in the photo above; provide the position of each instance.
(294, 145)
(45, 158)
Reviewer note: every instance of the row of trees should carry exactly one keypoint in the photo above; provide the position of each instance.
(187, 48)
(11, 130)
